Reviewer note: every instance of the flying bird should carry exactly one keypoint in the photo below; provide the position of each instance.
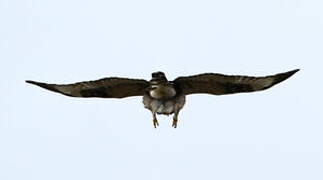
(162, 96)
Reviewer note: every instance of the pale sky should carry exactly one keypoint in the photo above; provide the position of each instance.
(273, 134)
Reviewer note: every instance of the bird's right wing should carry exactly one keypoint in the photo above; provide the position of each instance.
(219, 84)
(113, 87)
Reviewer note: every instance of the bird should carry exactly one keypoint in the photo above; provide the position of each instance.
(164, 97)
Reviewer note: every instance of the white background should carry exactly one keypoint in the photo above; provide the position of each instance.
(273, 134)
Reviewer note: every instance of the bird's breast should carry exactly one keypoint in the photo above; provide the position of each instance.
(162, 91)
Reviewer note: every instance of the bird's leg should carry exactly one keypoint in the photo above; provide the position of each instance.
(175, 119)
(155, 122)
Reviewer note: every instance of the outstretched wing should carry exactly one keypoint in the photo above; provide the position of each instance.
(104, 88)
(219, 84)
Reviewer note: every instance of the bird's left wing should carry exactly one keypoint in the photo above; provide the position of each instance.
(219, 84)
(113, 87)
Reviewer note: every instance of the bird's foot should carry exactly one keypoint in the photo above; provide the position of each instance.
(155, 122)
(174, 125)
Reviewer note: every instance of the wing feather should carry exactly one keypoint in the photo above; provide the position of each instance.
(113, 87)
(219, 84)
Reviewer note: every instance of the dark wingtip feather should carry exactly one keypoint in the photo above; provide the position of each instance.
(36, 83)
(293, 71)
(283, 76)
(43, 85)
(30, 82)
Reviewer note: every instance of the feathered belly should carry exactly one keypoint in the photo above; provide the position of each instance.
(165, 108)
(159, 106)
(162, 106)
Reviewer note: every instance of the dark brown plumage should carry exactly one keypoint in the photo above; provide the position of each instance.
(219, 84)
(103, 88)
(161, 96)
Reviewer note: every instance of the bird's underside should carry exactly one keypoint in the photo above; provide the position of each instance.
(161, 96)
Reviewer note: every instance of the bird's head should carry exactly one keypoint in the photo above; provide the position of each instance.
(158, 76)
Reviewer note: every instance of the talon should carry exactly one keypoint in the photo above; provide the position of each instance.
(155, 123)
(174, 123)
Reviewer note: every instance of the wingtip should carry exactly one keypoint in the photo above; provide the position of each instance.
(292, 72)
(50, 87)
(32, 82)
(283, 76)
(295, 71)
